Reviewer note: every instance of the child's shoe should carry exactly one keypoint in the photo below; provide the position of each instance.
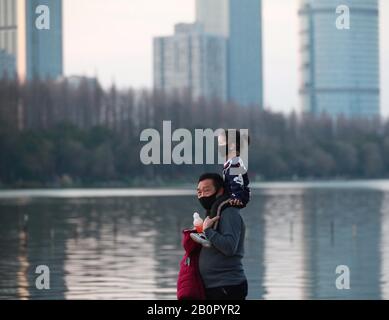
(201, 238)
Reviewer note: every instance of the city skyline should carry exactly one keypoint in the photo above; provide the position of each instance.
(86, 22)
(132, 66)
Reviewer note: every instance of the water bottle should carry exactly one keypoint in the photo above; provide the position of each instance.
(198, 222)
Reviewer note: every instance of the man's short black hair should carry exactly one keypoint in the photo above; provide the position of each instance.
(215, 177)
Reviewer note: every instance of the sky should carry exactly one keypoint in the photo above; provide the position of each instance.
(113, 41)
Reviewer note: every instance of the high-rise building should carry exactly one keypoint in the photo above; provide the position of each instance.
(339, 66)
(7, 65)
(213, 16)
(240, 21)
(192, 61)
(31, 51)
(39, 50)
(8, 39)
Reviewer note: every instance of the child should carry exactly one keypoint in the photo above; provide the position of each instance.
(236, 182)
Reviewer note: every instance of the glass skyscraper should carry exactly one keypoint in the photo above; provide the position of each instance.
(240, 21)
(339, 67)
(26, 50)
(40, 51)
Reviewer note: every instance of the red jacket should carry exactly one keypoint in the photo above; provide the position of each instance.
(189, 284)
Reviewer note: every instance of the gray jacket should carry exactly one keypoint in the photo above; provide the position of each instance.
(221, 264)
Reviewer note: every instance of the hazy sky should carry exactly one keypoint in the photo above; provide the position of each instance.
(113, 40)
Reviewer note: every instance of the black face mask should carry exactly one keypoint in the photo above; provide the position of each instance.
(207, 202)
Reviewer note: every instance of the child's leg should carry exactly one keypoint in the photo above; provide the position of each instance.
(219, 202)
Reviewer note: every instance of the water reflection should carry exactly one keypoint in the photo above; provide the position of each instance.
(384, 247)
(285, 250)
(343, 228)
(129, 247)
(255, 247)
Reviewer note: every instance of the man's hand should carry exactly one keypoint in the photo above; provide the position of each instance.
(208, 223)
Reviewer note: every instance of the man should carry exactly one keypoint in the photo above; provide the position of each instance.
(221, 264)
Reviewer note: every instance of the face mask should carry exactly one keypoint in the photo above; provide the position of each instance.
(207, 202)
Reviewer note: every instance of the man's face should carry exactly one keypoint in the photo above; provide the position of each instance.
(205, 188)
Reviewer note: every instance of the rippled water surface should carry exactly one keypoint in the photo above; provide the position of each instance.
(125, 244)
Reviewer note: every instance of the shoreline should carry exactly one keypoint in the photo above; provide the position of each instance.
(188, 189)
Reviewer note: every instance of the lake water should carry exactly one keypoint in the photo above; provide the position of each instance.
(125, 244)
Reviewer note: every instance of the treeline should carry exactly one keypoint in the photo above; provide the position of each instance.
(66, 134)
